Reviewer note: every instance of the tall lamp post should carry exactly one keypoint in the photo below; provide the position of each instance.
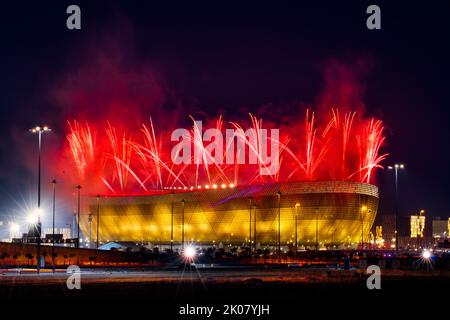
(317, 230)
(279, 221)
(297, 206)
(250, 199)
(396, 167)
(370, 211)
(40, 130)
(183, 203)
(78, 187)
(98, 221)
(171, 227)
(53, 224)
(254, 225)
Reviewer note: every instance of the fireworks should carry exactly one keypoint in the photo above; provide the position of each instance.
(346, 147)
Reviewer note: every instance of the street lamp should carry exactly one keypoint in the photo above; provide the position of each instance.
(78, 187)
(363, 209)
(250, 199)
(332, 239)
(189, 253)
(39, 130)
(396, 167)
(53, 223)
(33, 217)
(317, 230)
(297, 206)
(98, 220)
(13, 230)
(279, 221)
(183, 203)
(370, 212)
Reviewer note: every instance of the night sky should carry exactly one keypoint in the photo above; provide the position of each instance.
(232, 58)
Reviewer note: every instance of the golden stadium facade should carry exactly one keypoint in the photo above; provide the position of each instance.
(340, 212)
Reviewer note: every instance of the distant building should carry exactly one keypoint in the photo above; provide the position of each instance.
(225, 213)
(387, 223)
(66, 232)
(440, 228)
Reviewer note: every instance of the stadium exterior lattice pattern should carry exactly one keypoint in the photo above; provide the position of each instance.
(339, 211)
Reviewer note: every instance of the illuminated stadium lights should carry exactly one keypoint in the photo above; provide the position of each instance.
(363, 210)
(39, 130)
(222, 215)
(357, 163)
(199, 187)
(34, 216)
(396, 167)
(14, 228)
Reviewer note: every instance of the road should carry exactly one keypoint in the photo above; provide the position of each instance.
(216, 285)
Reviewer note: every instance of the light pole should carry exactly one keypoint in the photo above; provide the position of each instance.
(332, 239)
(53, 224)
(78, 187)
(363, 209)
(250, 222)
(182, 223)
(254, 225)
(396, 167)
(421, 227)
(13, 230)
(171, 226)
(73, 227)
(370, 211)
(89, 230)
(98, 221)
(39, 130)
(279, 221)
(317, 230)
(297, 206)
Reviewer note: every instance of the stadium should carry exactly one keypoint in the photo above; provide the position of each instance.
(331, 213)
